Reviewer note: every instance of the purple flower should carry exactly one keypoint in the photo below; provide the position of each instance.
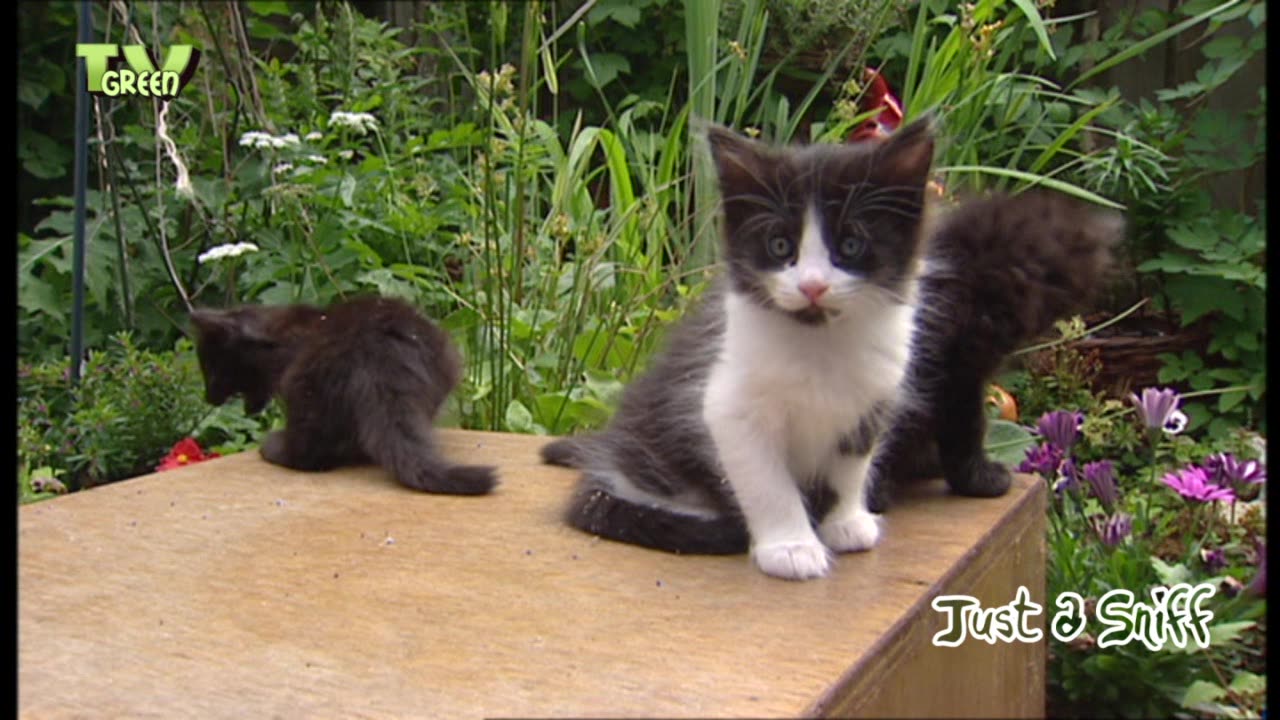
(1114, 529)
(1156, 407)
(1193, 483)
(1214, 560)
(1225, 469)
(1042, 460)
(1060, 428)
(1068, 476)
(1101, 476)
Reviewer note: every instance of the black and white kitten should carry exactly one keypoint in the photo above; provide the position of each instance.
(362, 381)
(754, 428)
(1000, 271)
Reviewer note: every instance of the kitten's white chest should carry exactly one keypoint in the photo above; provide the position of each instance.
(804, 387)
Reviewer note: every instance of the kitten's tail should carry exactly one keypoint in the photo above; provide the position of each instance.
(409, 453)
(597, 510)
(565, 452)
(1029, 260)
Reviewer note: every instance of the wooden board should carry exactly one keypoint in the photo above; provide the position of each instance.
(233, 588)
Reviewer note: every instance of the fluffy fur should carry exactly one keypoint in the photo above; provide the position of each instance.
(361, 381)
(755, 427)
(1000, 271)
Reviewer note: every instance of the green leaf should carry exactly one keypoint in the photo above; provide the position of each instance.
(623, 12)
(1228, 400)
(520, 420)
(602, 68)
(1007, 442)
(1198, 236)
(604, 386)
(1228, 632)
(1168, 262)
(1029, 9)
(347, 189)
(268, 7)
(1170, 574)
(1195, 297)
(1223, 46)
(41, 156)
(37, 296)
(1201, 692)
(388, 284)
(1248, 683)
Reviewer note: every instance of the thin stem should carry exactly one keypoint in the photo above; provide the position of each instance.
(1088, 331)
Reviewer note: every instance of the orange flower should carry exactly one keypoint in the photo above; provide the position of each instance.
(1001, 398)
(185, 452)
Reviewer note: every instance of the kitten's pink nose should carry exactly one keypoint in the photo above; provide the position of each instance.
(814, 289)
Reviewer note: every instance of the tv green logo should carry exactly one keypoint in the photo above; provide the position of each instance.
(107, 76)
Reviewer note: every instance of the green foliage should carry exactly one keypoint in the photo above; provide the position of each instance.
(1205, 259)
(131, 406)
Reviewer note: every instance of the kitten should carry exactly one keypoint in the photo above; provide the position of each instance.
(754, 428)
(361, 380)
(999, 271)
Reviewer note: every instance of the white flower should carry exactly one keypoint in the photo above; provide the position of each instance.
(361, 122)
(318, 159)
(346, 154)
(256, 138)
(1176, 423)
(259, 139)
(225, 251)
(314, 135)
(282, 168)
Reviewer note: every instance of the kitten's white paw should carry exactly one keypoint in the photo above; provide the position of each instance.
(858, 531)
(793, 560)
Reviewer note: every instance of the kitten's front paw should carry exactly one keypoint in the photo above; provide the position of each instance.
(793, 560)
(987, 479)
(859, 531)
(273, 448)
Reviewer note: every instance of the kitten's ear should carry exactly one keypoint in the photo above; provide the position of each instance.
(211, 323)
(739, 160)
(240, 324)
(907, 154)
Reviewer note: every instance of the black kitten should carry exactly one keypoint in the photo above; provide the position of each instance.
(754, 428)
(361, 380)
(999, 271)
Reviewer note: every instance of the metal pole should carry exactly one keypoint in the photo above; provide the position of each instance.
(81, 180)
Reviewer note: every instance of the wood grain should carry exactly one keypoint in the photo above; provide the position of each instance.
(233, 588)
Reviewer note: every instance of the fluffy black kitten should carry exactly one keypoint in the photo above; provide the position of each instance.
(361, 380)
(999, 271)
(754, 428)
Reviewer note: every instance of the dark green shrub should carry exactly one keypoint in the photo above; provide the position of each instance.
(130, 408)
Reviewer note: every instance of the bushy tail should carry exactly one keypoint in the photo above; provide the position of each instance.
(565, 452)
(594, 509)
(598, 509)
(1025, 261)
(407, 450)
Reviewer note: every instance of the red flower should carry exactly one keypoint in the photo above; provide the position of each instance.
(878, 95)
(187, 451)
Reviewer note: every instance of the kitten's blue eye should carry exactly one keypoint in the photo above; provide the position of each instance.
(850, 247)
(780, 247)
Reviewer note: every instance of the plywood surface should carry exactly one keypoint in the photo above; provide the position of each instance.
(234, 588)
